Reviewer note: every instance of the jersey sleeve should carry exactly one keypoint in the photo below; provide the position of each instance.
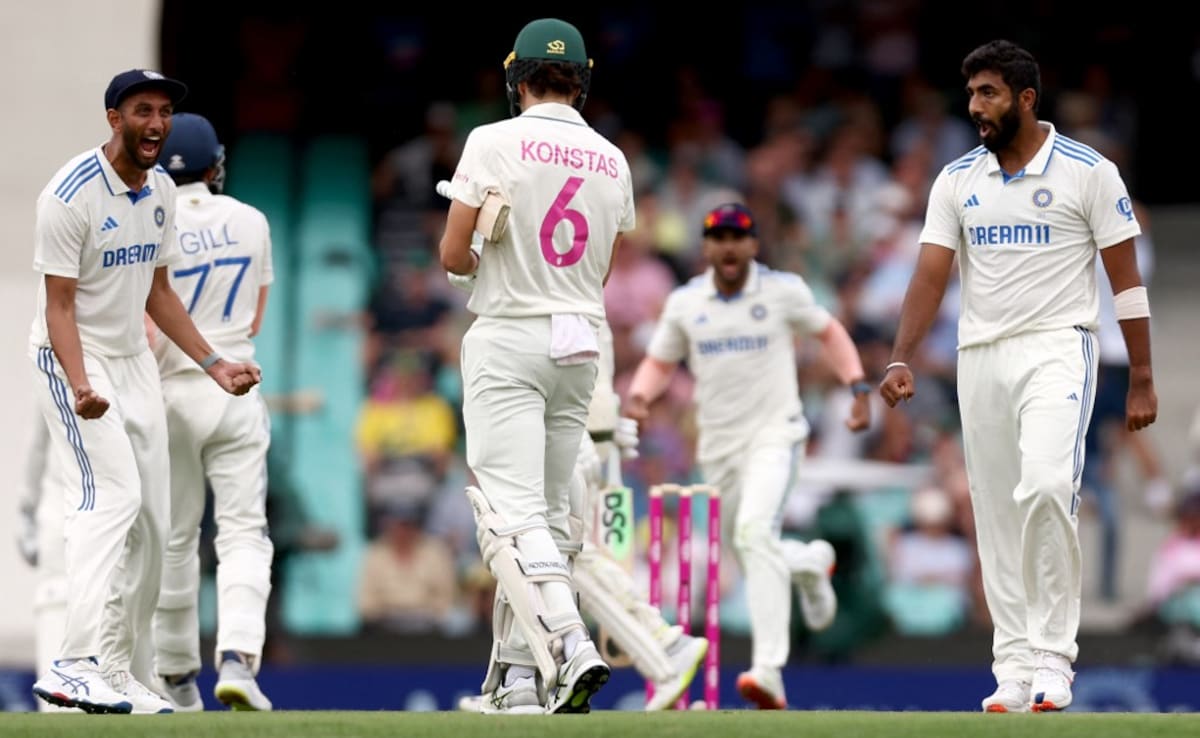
(803, 312)
(59, 234)
(472, 178)
(669, 343)
(628, 214)
(1111, 215)
(943, 226)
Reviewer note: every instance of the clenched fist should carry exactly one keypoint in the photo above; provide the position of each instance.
(235, 377)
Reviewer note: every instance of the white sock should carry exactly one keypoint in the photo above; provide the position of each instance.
(571, 640)
(517, 671)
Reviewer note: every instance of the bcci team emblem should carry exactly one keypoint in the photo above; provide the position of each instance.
(1125, 207)
(160, 216)
(148, 74)
(758, 312)
(1043, 197)
(556, 47)
(176, 164)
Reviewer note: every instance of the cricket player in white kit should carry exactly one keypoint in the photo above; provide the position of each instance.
(529, 358)
(1026, 213)
(661, 652)
(222, 277)
(104, 236)
(735, 325)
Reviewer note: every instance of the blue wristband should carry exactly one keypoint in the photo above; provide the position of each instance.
(209, 360)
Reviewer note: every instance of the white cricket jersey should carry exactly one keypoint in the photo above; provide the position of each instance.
(225, 257)
(742, 353)
(571, 194)
(92, 228)
(1027, 244)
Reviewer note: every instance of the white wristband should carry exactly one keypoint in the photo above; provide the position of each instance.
(1132, 303)
(893, 365)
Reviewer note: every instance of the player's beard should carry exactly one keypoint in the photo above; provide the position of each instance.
(132, 139)
(1004, 130)
(738, 278)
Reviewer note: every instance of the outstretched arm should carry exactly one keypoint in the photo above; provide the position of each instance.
(921, 303)
(649, 381)
(843, 356)
(172, 319)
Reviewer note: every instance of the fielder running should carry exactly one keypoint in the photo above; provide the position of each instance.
(104, 237)
(1026, 213)
(222, 276)
(736, 326)
(529, 358)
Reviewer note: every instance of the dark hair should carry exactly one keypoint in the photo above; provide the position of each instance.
(1016, 66)
(562, 78)
(188, 177)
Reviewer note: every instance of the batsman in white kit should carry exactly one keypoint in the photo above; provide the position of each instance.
(104, 240)
(1026, 214)
(222, 276)
(529, 359)
(736, 325)
(661, 652)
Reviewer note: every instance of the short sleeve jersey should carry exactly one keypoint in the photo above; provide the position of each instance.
(571, 193)
(92, 228)
(742, 353)
(225, 257)
(1027, 243)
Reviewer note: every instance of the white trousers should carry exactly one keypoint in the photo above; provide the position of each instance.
(1026, 402)
(753, 487)
(50, 593)
(115, 501)
(223, 439)
(525, 417)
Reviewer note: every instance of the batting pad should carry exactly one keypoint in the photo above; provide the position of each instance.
(527, 565)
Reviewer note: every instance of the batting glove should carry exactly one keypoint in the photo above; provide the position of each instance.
(625, 435)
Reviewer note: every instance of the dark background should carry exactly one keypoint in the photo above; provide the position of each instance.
(373, 73)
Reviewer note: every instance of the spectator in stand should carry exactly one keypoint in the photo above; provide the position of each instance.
(1174, 589)
(930, 567)
(409, 580)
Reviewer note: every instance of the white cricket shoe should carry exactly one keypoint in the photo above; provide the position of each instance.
(686, 655)
(1052, 678)
(182, 692)
(811, 565)
(1011, 695)
(80, 684)
(578, 679)
(472, 703)
(145, 701)
(519, 698)
(763, 687)
(236, 687)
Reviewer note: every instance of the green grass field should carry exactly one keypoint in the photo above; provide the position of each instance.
(725, 724)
